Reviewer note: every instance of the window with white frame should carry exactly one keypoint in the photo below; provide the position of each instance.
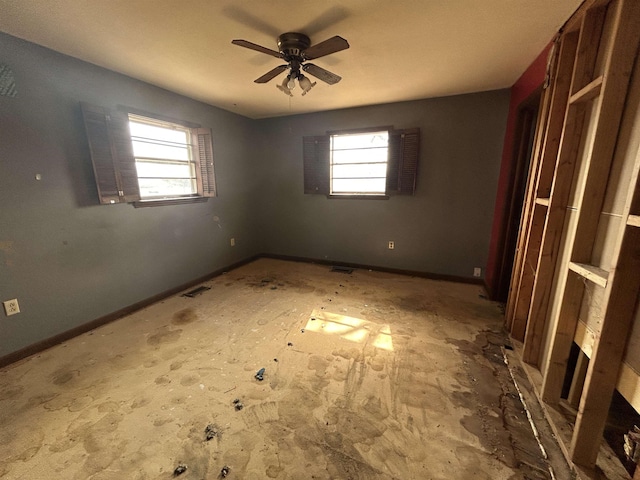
(164, 158)
(359, 163)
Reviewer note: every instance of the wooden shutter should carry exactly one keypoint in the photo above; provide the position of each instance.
(402, 168)
(203, 147)
(111, 154)
(316, 164)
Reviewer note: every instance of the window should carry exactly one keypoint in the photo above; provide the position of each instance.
(372, 163)
(164, 158)
(148, 161)
(359, 163)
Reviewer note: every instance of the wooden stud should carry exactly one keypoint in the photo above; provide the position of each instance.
(608, 351)
(546, 153)
(620, 58)
(584, 66)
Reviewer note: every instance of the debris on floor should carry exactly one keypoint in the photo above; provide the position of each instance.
(341, 269)
(289, 344)
(632, 444)
(225, 471)
(238, 404)
(180, 469)
(196, 291)
(211, 431)
(260, 375)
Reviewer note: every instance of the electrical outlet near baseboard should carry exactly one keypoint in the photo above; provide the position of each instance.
(233, 242)
(477, 272)
(392, 245)
(11, 307)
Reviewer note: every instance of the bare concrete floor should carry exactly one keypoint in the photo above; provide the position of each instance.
(367, 376)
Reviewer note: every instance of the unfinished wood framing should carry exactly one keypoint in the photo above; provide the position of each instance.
(577, 272)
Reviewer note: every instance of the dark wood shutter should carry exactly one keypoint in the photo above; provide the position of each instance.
(402, 169)
(111, 154)
(316, 164)
(204, 161)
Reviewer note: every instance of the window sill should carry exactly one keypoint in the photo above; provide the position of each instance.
(169, 201)
(359, 197)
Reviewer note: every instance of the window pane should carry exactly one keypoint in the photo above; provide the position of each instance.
(360, 140)
(146, 149)
(155, 132)
(360, 186)
(168, 187)
(360, 170)
(160, 170)
(359, 156)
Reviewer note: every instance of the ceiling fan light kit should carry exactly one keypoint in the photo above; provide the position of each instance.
(295, 48)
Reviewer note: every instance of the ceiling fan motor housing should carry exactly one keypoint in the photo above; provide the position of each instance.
(292, 45)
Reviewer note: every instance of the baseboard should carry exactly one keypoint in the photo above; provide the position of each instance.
(98, 322)
(399, 271)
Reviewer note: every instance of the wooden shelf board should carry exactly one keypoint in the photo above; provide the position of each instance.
(542, 201)
(592, 273)
(588, 92)
(634, 220)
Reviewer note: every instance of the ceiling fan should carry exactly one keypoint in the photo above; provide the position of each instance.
(295, 49)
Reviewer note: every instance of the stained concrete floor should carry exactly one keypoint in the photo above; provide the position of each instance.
(367, 376)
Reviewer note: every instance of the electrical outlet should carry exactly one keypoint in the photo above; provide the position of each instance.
(11, 307)
(392, 245)
(233, 242)
(477, 272)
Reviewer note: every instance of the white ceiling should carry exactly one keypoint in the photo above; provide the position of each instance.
(400, 49)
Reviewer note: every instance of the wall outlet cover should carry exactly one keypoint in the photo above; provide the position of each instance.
(477, 272)
(11, 307)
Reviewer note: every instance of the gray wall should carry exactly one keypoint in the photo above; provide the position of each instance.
(69, 260)
(444, 228)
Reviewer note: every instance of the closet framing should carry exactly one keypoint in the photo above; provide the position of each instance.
(576, 276)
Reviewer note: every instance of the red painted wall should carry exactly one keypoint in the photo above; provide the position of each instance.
(531, 79)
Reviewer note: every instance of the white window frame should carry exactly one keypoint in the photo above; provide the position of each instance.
(189, 161)
(358, 163)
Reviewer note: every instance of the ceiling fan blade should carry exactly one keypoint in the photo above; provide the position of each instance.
(321, 74)
(250, 20)
(328, 19)
(256, 47)
(332, 45)
(271, 74)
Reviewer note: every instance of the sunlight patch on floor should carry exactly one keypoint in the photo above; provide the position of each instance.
(350, 328)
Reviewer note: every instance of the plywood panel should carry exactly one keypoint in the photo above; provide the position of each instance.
(558, 281)
(591, 309)
(607, 38)
(603, 249)
(580, 173)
